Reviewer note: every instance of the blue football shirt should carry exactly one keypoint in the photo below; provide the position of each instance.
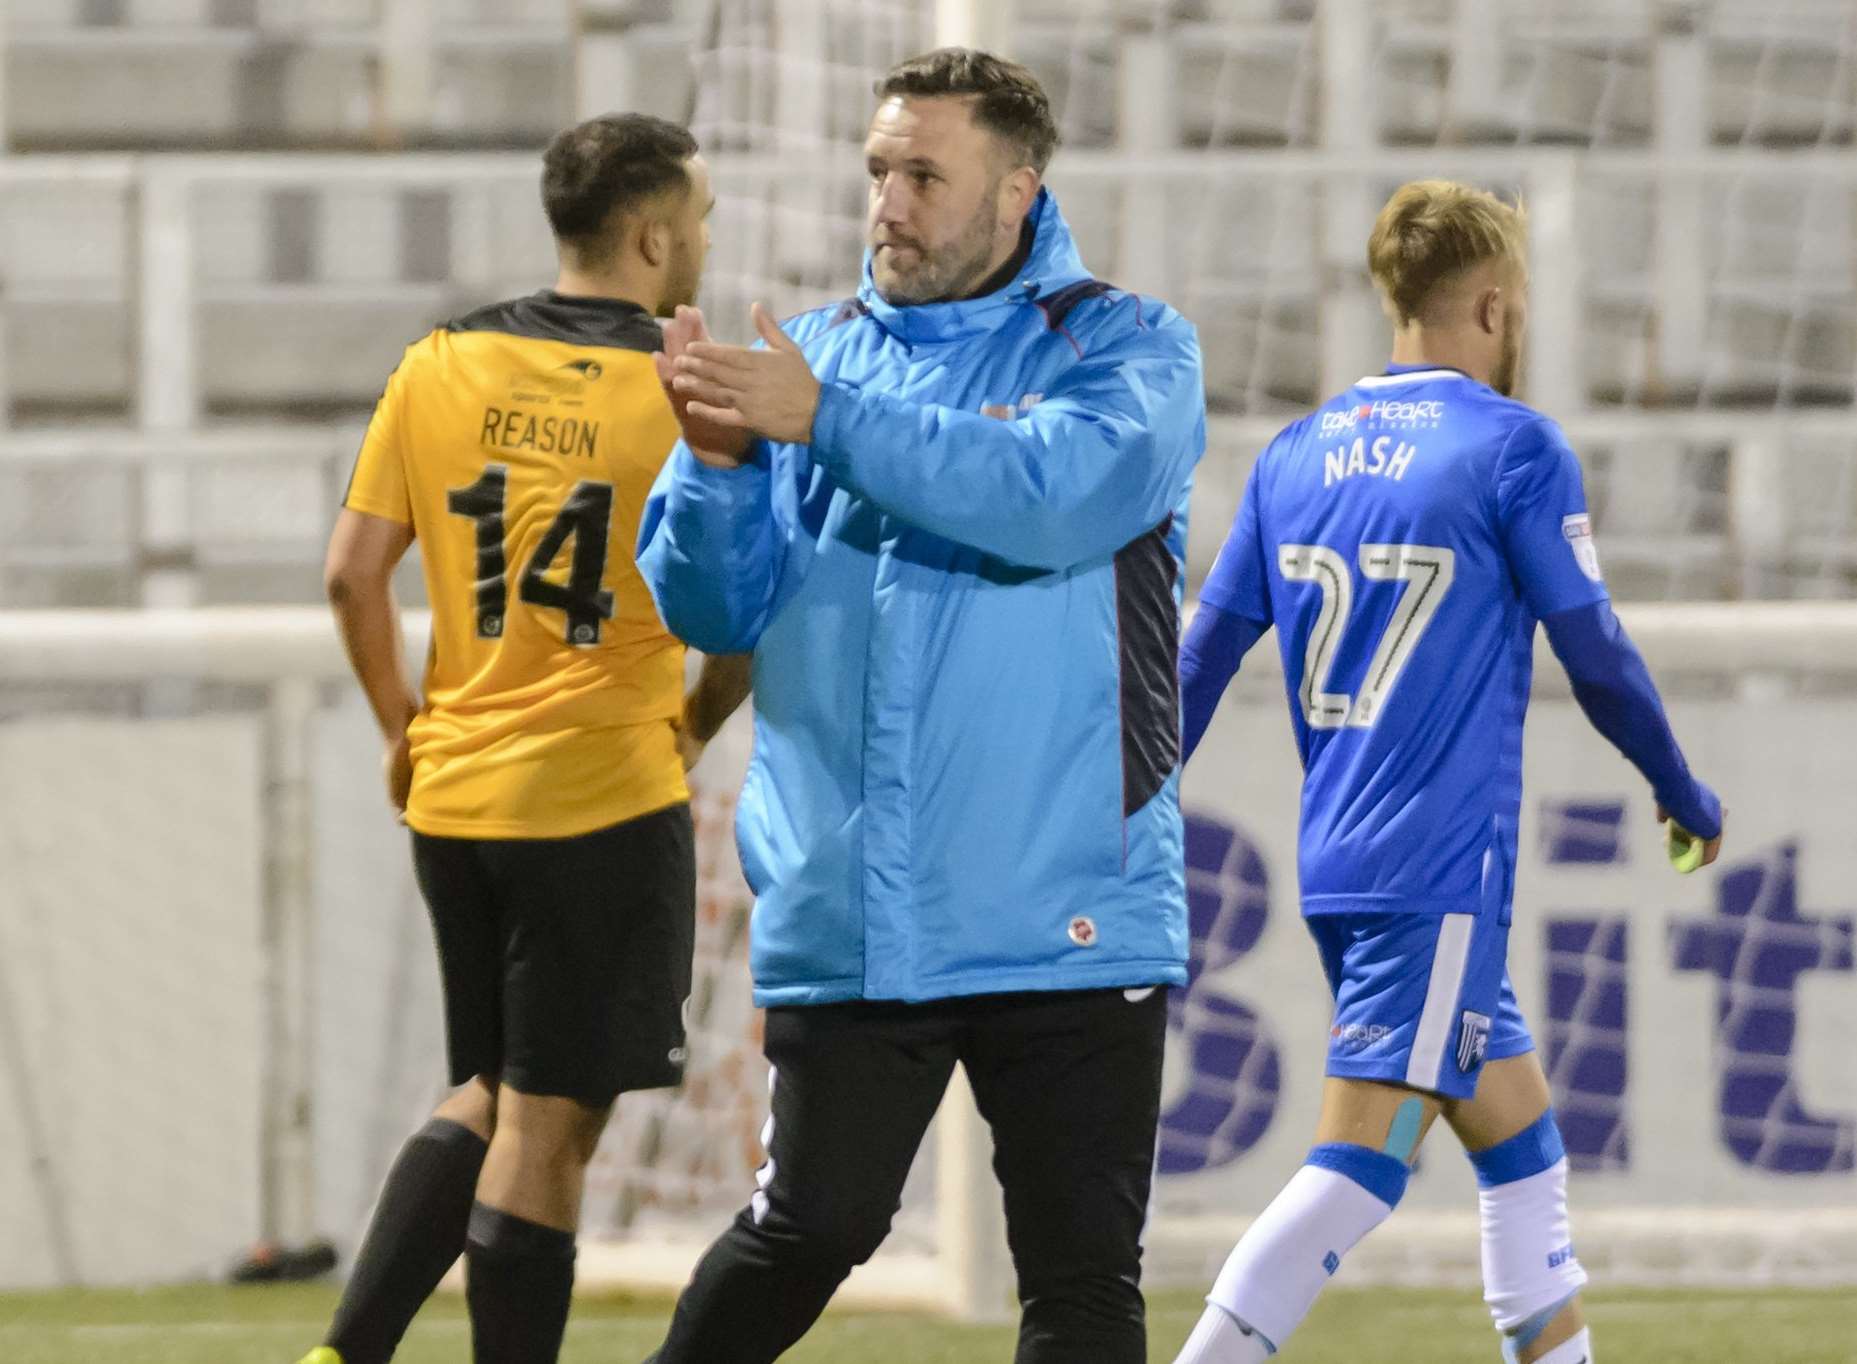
(1404, 539)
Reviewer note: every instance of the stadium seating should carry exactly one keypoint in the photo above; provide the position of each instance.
(1239, 192)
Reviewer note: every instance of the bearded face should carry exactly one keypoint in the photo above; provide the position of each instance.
(689, 246)
(685, 276)
(910, 266)
(1508, 371)
(936, 192)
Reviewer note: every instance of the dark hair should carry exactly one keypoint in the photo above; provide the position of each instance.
(1008, 100)
(612, 163)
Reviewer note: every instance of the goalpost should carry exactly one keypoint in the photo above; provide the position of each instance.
(208, 918)
(208, 931)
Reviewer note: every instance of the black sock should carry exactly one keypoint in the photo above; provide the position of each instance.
(519, 1278)
(416, 1235)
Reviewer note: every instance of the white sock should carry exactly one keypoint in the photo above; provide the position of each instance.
(1528, 1259)
(1284, 1260)
(1577, 1350)
(1219, 1339)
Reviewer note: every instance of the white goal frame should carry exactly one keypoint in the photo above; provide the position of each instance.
(292, 654)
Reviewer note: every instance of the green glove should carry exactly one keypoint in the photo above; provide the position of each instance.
(1684, 848)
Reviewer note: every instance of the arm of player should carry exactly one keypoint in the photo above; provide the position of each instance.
(709, 550)
(722, 685)
(1541, 510)
(358, 577)
(1215, 644)
(1234, 612)
(1101, 459)
(1614, 688)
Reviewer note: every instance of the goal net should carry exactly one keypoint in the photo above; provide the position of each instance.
(209, 936)
(1694, 305)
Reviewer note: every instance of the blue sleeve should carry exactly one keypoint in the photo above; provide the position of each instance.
(1103, 457)
(1215, 644)
(1541, 516)
(1615, 690)
(1239, 583)
(710, 551)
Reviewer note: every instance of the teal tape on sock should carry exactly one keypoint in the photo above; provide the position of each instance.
(1532, 1330)
(1402, 1138)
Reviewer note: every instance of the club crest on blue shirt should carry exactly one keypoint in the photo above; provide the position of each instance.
(1472, 1041)
(1579, 532)
(1008, 411)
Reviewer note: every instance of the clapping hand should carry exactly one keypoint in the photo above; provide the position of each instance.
(771, 392)
(722, 445)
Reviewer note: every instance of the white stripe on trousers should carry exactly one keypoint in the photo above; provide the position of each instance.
(1447, 982)
(765, 1175)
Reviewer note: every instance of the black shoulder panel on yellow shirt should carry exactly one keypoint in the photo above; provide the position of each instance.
(578, 320)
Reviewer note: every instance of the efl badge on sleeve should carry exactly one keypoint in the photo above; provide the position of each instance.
(1472, 1041)
(1579, 532)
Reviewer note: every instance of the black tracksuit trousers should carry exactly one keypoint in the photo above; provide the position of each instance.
(1069, 1083)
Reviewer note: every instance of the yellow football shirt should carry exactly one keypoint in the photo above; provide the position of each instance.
(520, 443)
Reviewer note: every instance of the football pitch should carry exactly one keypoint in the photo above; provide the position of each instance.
(214, 1325)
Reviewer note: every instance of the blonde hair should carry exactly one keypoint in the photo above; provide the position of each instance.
(1430, 231)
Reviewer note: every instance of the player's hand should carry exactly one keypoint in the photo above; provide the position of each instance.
(397, 768)
(771, 392)
(1682, 843)
(723, 446)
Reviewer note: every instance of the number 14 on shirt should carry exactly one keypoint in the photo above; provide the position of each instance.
(585, 517)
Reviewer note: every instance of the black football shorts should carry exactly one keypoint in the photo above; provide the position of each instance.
(566, 961)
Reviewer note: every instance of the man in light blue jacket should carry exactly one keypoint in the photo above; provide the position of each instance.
(948, 518)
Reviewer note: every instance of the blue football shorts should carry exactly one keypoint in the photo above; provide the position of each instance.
(1420, 999)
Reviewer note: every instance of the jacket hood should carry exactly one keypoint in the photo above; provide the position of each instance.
(1053, 264)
